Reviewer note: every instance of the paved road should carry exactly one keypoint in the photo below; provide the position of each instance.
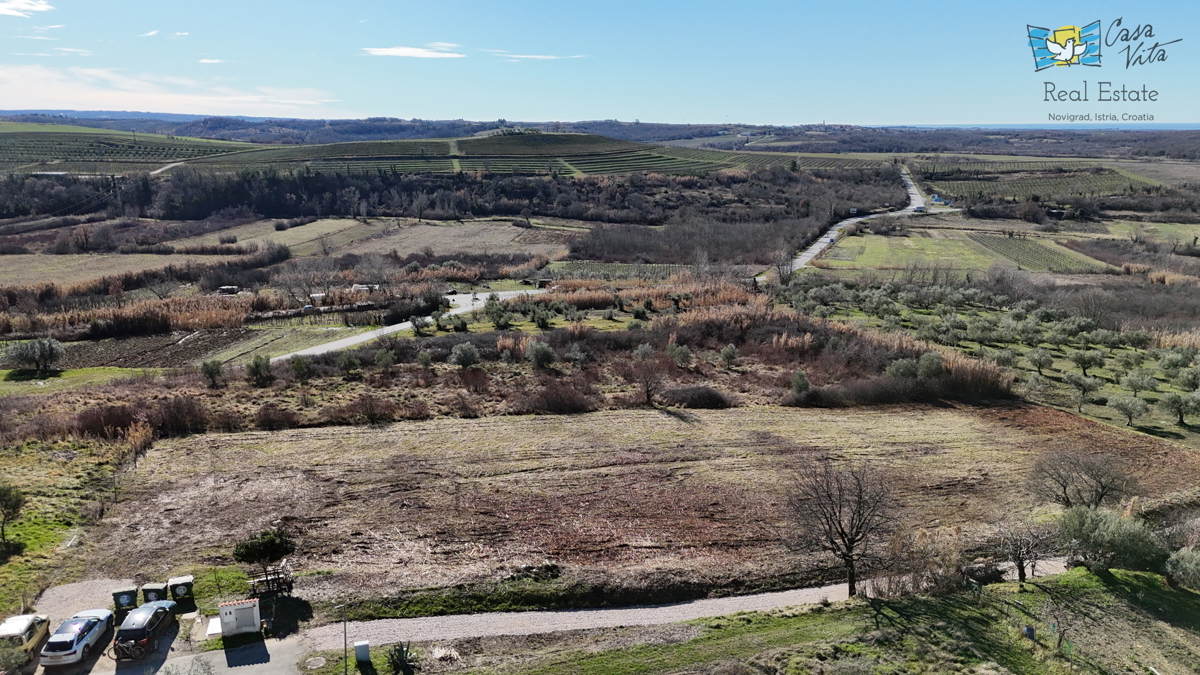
(387, 631)
(460, 304)
(829, 238)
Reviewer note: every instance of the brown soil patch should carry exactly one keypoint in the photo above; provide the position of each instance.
(619, 492)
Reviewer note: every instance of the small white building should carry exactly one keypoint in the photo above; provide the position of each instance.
(240, 617)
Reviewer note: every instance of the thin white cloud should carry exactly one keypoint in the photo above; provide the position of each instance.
(29, 54)
(212, 61)
(41, 87)
(23, 8)
(514, 58)
(32, 37)
(72, 51)
(150, 34)
(43, 29)
(433, 50)
(179, 35)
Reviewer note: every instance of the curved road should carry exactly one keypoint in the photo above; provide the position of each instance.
(829, 238)
(467, 303)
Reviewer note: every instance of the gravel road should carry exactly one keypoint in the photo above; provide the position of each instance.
(387, 631)
(63, 602)
(460, 304)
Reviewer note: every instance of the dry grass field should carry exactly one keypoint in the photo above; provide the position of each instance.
(17, 270)
(264, 230)
(624, 494)
(485, 236)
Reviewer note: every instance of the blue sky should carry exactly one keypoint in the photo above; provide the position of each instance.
(757, 61)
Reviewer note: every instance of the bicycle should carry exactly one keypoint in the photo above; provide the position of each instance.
(128, 650)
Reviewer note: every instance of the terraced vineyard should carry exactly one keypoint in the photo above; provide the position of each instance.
(1002, 167)
(1072, 184)
(570, 154)
(1034, 256)
(101, 153)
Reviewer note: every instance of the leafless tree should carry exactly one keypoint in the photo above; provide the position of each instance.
(847, 511)
(782, 264)
(1074, 478)
(649, 373)
(1024, 544)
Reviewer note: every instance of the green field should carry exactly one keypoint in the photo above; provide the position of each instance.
(870, 251)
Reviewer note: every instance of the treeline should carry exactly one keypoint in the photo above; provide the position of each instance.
(768, 194)
(778, 213)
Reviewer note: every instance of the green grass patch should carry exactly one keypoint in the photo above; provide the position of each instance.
(61, 480)
(28, 382)
(871, 251)
(215, 585)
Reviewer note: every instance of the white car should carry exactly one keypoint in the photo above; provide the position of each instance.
(77, 637)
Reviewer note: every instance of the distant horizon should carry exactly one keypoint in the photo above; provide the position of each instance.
(183, 117)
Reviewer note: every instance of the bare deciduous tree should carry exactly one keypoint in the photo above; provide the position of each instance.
(782, 263)
(1073, 478)
(1024, 544)
(847, 511)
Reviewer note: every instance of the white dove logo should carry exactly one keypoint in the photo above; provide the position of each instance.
(1065, 52)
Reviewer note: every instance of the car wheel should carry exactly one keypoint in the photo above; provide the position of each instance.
(155, 650)
(83, 653)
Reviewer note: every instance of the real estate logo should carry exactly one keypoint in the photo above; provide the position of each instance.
(1076, 46)
(1065, 46)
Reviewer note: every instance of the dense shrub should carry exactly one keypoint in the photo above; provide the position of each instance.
(270, 417)
(696, 397)
(1102, 538)
(180, 416)
(227, 421)
(558, 398)
(106, 421)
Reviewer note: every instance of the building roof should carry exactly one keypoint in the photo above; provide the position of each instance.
(253, 601)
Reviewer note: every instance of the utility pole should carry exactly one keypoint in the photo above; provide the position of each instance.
(345, 643)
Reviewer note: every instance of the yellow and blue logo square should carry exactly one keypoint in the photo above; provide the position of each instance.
(1065, 46)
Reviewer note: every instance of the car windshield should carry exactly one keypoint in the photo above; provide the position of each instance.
(60, 644)
(72, 626)
(126, 634)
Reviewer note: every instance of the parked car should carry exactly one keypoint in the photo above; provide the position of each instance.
(24, 633)
(77, 637)
(140, 632)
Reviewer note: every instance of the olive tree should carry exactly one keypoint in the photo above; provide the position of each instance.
(1103, 538)
(1040, 359)
(1087, 360)
(1184, 567)
(1138, 381)
(40, 354)
(1130, 408)
(212, 371)
(264, 548)
(1180, 405)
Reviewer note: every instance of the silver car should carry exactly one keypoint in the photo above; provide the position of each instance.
(77, 637)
